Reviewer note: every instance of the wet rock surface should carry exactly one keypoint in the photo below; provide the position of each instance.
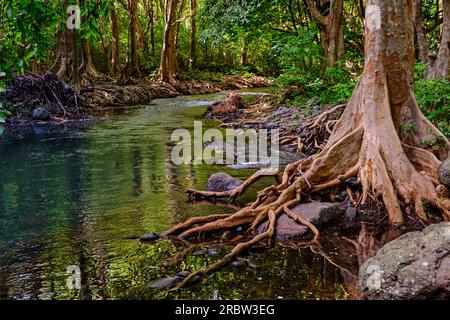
(221, 181)
(150, 237)
(444, 173)
(169, 282)
(414, 266)
(320, 214)
(40, 114)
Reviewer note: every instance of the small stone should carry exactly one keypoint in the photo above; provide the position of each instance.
(150, 237)
(169, 282)
(40, 114)
(213, 252)
(183, 274)
(444, 173)
(238, 264)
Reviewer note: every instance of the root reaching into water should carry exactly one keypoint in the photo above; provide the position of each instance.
(368, 145)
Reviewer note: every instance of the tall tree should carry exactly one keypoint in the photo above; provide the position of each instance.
(132, 67)
(168, 65)
(115, 40)
(441, 67)
(64, 55)
(193, 39)
(421, 35)
(149, 7)
(329, 22)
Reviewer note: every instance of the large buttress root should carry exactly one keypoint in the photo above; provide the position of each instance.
(367, 145)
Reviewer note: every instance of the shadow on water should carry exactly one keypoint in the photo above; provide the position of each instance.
(79, 197)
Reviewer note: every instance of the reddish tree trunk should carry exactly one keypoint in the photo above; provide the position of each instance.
(441, 67)
(115, 40)
(168, 65)
(421, 36)
(193, 40)
(331, 28)
(132, 67)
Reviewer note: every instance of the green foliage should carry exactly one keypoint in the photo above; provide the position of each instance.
(433, 97)
(337, 93)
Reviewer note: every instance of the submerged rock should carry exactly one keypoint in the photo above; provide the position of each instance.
(414, 266)
(169, 282)
(320, 214)
(444, 173)
(150, 237)
(221, 181)
(40, 114)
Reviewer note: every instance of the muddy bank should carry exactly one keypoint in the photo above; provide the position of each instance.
(45, 98)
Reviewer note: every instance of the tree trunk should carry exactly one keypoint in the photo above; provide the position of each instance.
(421, 36)
(132, 67)
(392, 163)
(75, 75)
(87, 69)
(168, 65)
(441, 66)
(331, 28)
(115, 40)
(193, 42)
(150, 10)
(244, 52)
(63, 63)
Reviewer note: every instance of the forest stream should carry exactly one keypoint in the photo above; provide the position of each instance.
(83, 197)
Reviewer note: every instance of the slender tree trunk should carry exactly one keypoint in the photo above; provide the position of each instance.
(168, 65)
(178, 23)
(193, 42)
(115, 40)
(441, 67)
(132, 67)
(244, 52)
(64, 57)
(87, 68)
(75, 74)
(150, 10)
(421, 36)
(331, 29)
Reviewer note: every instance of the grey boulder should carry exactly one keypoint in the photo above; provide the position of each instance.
(221, 181)
(414, 266)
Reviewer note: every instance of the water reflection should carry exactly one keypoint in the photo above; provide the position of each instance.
(78, 197)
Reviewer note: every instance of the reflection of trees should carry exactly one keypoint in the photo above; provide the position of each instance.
(136, 163)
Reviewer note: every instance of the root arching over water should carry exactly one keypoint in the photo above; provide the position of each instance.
(369, 145)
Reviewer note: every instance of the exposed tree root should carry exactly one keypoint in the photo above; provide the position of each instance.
(399, 169)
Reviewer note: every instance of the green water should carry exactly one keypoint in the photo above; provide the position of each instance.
(81, 197)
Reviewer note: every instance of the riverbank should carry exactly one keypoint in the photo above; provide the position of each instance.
(45, 98)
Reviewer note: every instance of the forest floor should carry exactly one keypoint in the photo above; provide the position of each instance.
(45, 98)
